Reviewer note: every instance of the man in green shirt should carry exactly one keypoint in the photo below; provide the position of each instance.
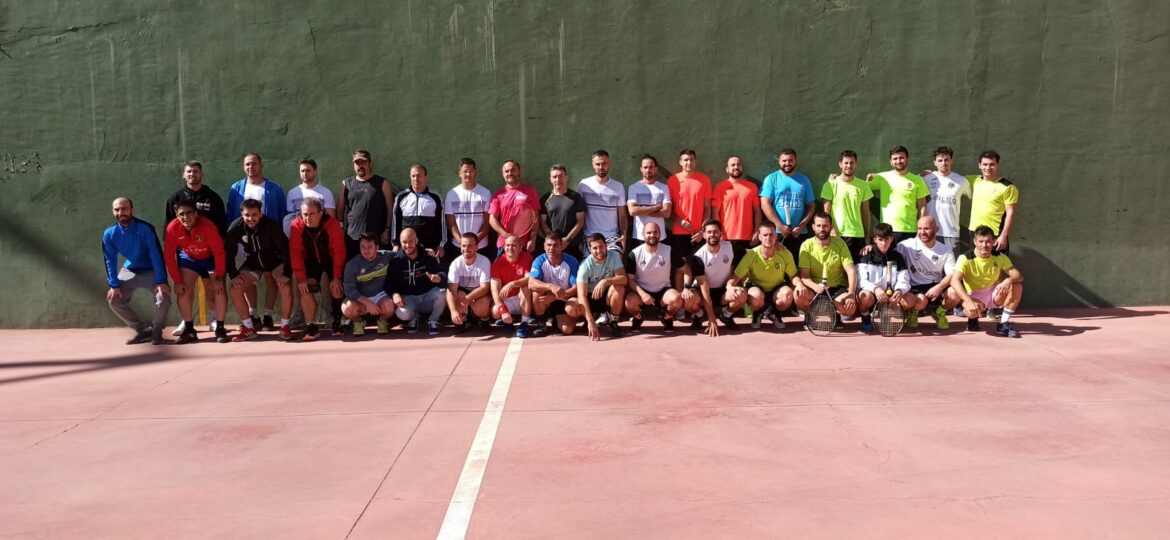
(984, 279)
(993, 200)
(826, 255)
(766, 271)
(847, 200)
(902, 195)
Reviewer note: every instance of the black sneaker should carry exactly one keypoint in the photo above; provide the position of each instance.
(485, 326)
(838, 324)
(221, 335)
(412, 326)
(972, 325)
(614, 329)
(728, 321)
(311, 332)
(540, 328)
(697, 324)
(636, 324)
(141, 336)
(1005, 329)
(668, 326)
(156, 337)
(268, 323)
(461, 328)
(256, 322)
(335, 327)
(188, 336)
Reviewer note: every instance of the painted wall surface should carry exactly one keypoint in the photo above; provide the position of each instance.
(109, 98)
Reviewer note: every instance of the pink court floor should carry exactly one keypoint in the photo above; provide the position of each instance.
(1064, 433)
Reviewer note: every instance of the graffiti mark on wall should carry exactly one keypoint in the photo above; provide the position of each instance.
(13, 165)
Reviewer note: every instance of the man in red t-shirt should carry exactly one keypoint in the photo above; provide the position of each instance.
(737, 206)
(510, 294)
(690, 193)
(514, 192)
(193, 249)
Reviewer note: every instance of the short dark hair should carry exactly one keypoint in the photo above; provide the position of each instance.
(786, 152)
(559, 167)
(470, 236)
(767, 225)
(554, 236)
(184, 202)
(362, 152)
(649, 157)
(848, 153)
(883, 230)
(507, 161)
(984, 230)
(821, 214)
(943, 151)
(712, 221)
(258, 158)
(194, 164)
(600, 153)
(308, 161)
(419, 166)
(467, 161)
(252, 204)
(597, 237)
(688, 152)
(370, 237)
(899, 149)
(989, 154)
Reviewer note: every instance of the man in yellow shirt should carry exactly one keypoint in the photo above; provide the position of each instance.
(828, 256)
(766, 271)
(984, 279)
(901, 194)
(993, 201)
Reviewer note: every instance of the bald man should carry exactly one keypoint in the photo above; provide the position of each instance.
(136, 241)
(931, 264)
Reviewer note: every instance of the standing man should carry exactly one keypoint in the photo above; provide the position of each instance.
(649, 201)
(847, 201)
(605, 200)
(207, 202)
(601, 287)
(737, 205)
(553, 282)
(930, 264)
(466, 210)
(469, 291)
(255, 186)
(420, 209)
(193, 249)
(947, 188)
(137, 242)
(828, 256)
(309, 187)
(514, 193)
(265, 249)
(993, 201)
(365, 286)
(787, 200)
(649, 280)
(690, 194)
(364, 202)
(562, 211)
(901, 195)
(720, 289)
(416, 284)
(510, 295)
(317, 247)
(984, 279)
(766, 270)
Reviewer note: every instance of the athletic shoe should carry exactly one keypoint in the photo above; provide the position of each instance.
(432, 328)
(940, 318)
(221, 334)
(188, 336)
(777, 322)
(636, 324)
(756, 320)
(972, 325)
(614, 329)
(412, 326)
(268, 323)
(297, 322)
(179, 329)
(359, 328)
(668, 326)
(837, 324)
(602, 319)
(728, 321)
(485, 326)
(256, 322)
(461, 328)
(697, 324)
(140, 336)
(522, 330)
(286, 332)
(912, 318)
(335, 327)
(383, 326)
(156, 337)
(994, 313)
(867, 324)
(311, 332)
(244, 334)
(1005, 329)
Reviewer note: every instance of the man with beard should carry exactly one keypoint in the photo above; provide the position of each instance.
(466, 211)
(718, 287)
(364, 202)
(649, 271)
(510, 295)
(193, 249)
(766, 271)
(469, 291)
(265, 250)
(901, 194)
(984, 279)
(420, 209)
(553, 282)
(364, 285)
(649, 200)
(737, 205)
(931, 264)
(562, 211)
(787, 201)
(873, 282)
(690, 195)
(135, 240)
(826, 256)
(207, 202)
(605, 199)
(415, 282)
(601, 287)
(317, 248)
(847, 201)
(514, 193)
(308, 188)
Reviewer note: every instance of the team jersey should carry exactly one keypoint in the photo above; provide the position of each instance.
(981, 273)
(562, 275)
(421, 211)
(871, 271)
(716, 266)
(927, 265)
(200, 243)
(468, 206)
(734, 205)
(643, 194)
(847, 198)
(828, 261)
(508, 197)
(591, 272)
(689, 198)
(602, 202)
(470, 276)
(792, 192)
(989, 201)
(651, 271)
(946, 193)
(207, 203)
(898, 196)
(366, 278)
(508, 271)
(767, 273)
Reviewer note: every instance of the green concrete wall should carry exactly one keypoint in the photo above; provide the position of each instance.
(109, 98)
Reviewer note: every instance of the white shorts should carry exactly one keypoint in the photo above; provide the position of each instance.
(987, 296)
(378, 298)
(512, 303)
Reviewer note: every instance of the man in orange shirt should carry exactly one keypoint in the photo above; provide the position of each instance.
(690, 193)
(737, 205)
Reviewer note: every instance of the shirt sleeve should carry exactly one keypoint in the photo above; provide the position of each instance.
(573, 265)
(698, 269)
(537, 270)
(349, 280)
(809, 196)
(494, 206)
(920, 189)
(172, 264)
(217, 249)
(330, 202)
(158, 266)
(827, 190)
(867, 274)
(1012, 195)
(110, 254)
(745, 264)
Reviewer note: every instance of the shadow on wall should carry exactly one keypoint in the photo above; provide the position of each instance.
(40, 247)
(1059, 288)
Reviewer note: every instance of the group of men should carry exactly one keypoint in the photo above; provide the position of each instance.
(600, 254)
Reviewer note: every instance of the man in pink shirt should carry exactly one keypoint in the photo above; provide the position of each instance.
(515, 192)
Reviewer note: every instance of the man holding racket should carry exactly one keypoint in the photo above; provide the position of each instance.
(649, 271)
(930, 262)
(510, 294)
(826, 256)
(553, 282)
(766, 271)
(882, 276)
(713, 285)
(469, 290)
(984, 279)
(601, 287)
(514, 209)
(605, 200)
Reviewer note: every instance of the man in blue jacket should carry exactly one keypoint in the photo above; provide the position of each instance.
(254, 186)
(137, 242)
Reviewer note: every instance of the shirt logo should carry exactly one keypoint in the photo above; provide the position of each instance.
(909, 185)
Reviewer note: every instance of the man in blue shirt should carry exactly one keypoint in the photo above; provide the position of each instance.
(255, 186)
(787, 200)
(137, 241)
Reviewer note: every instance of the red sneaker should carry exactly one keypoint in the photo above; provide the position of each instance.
(244, 334)
(285, 332)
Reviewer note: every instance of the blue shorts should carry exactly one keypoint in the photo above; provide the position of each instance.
(203, 267)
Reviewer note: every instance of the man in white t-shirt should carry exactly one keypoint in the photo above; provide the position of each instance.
(712, 281)
(947, 188)
(605, 201)
(309, 188)
(648, 201)
(931, 264)
(466, 210)
(648, 267)
(469, 289)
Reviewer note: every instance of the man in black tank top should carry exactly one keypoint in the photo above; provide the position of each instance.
(364, 202)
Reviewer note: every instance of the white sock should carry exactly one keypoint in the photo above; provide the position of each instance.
(247, 323)
(1007, 314)
(251, 312)
(284, 322)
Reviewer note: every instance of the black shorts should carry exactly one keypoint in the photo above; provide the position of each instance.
(921, 289)
(598, 306)
(557, 307)
(681, 248)
(835, 292)
(717, 295)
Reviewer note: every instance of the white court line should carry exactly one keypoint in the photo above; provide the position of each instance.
(467, 490)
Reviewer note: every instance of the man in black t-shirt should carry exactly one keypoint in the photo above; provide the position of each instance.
(562, 211)
(363, 203)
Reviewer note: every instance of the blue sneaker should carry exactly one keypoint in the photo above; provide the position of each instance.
(522, 330)
(867, 324)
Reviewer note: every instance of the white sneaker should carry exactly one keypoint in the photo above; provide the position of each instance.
(179, 329)
(602, 319)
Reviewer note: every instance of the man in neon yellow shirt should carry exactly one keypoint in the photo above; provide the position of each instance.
(825, 255)
(902, 195)
(766, 269)
(847, 200)
(993, 201)
(984, 279)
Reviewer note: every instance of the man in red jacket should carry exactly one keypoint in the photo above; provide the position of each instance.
(316, 246)
(193, 248)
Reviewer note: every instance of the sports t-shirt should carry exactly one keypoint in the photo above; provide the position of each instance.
(898, 196)
(508, 271)
(591, 272)
(508, 197)
(767, 273)
(562, 210)
(468, 206)
(688, 198)
(981, 273)
(716, 266)
(989, 201)
(651, 271)
(791, 192)
(734, 205)
(828, 261)
(562, 275)
(927, 265)
(364, 278)
(847, 198)
(945, 194)
(470, 276)
(297, 195)
(602, 202)
(643, 194)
